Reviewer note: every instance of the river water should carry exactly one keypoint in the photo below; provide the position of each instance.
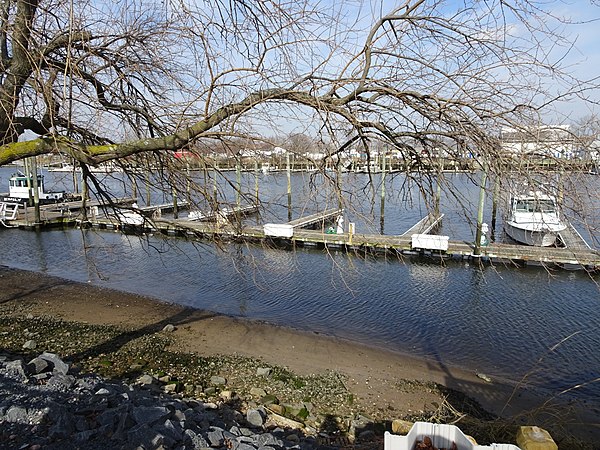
(505, 321)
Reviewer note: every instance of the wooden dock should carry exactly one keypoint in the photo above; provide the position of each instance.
(576, 253)
(572, 239)
(425, 225)
(316, 219)
(61, 214)
(226, 213)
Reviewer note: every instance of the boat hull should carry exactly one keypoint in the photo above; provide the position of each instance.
(542, 238)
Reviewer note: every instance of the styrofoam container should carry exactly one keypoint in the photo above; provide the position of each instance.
(278, 230)
(429, 242)
(442, 436)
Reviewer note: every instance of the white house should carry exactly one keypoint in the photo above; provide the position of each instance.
(554, 141)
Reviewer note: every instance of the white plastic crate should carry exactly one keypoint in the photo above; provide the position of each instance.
(278, 230)
(442, 436)
(429, 242)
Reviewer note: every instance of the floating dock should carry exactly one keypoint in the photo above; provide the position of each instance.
(576, 253)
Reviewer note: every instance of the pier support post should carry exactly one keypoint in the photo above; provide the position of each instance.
(175, 206)
(289, 185)
(479, 232)
(238, 182)
(382, 203)
(495, 205)
(256, 181)
(36, 191)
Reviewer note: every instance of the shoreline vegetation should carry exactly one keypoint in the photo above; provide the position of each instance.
(325, 383)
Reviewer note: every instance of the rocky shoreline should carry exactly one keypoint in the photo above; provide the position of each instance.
(47, 405)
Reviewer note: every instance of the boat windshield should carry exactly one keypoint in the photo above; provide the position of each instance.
(537, 206)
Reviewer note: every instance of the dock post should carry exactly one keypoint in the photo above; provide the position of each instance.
(215, 187)
(175, 208)
(36, 191)
(134, 188)
(479, 232)
(339, 182)
(238, 181)
(256, 181)
(188, 182)
(382, 204)
(495, 205)
(289, 184)
(147, 179)
(84, 196)
(438, 191)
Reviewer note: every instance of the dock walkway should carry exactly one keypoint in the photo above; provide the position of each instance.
(572, 239)
(425, 225)
(317, 218)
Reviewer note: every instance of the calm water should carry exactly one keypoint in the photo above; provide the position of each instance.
(499, 320)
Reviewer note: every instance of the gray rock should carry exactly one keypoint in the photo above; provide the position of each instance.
(217, 381)
(170, 429)
(84, 436)
(63, 424)
(215, 437)
(146, 379)
(268, 439)
(256, 417)
(30, 345)
(41, 376)
(16, 370)
(102, 391)
(243, 446)
(170, 388)
(196, 440)
(37, 366)
(110, 417)
(57, 364)
(145, 436)
(210, 391)
(263, 371)
(150, 414)
(257, 392)
(169, 328)
(16, 414)
(61, 382)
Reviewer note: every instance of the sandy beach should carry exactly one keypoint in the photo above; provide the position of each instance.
(373, 374)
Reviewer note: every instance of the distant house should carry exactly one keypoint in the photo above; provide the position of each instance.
(548, 141)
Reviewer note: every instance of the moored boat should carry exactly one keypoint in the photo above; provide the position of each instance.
(21, 190)
(534, 219)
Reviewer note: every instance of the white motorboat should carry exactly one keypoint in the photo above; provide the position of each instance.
(21, 190)
(534, 219)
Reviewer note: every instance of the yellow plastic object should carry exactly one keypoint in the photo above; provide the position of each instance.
(535, 438)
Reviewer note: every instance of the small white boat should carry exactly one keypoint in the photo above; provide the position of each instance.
(196, 215)
(534, 219)
(21, 190)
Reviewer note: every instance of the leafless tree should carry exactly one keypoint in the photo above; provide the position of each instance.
(135, 83)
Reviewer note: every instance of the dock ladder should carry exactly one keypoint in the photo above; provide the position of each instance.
(8, 211)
